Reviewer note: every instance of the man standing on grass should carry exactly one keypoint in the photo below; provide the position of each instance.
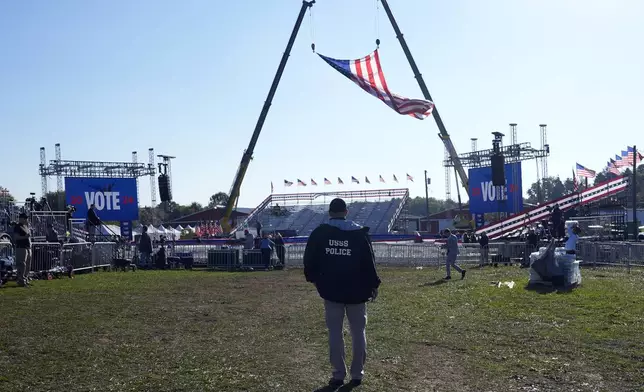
(339, 261)
(452, 253)
(22, 241)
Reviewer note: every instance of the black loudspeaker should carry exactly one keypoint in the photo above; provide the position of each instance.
(165, 191)
(498, 170)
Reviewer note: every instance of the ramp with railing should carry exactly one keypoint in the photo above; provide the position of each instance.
(543, 211)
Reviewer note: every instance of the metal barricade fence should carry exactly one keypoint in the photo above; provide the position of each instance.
(389, 254)
(619, 254)
(84, 256)
(45, 256)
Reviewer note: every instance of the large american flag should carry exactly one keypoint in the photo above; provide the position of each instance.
(585, 172)
(367, 73)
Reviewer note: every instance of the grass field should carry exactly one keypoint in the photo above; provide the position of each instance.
(206, 331)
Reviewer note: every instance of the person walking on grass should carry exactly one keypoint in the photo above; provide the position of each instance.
(339, 261)
(452, 254)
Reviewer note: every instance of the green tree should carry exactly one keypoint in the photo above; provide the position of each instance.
(548, 188)
(418, 205)
(5, 196)
(218, 199)
(56, 200)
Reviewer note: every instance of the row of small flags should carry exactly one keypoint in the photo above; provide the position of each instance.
(326, 181)
(613, 165)
(622, 161)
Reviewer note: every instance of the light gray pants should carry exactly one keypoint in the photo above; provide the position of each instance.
(23, 264)
(357, 316)
(451, 262)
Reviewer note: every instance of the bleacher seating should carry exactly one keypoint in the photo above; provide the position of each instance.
(304, 219)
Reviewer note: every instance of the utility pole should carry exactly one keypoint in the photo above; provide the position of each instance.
(635, 224)
(427, 199)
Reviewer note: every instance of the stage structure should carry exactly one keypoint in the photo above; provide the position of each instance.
(297, 214)
(514, 153)
(93, 169)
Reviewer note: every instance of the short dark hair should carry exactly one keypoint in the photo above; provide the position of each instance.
(337, 206)
(23, 215)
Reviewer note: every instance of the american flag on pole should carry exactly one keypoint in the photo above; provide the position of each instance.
(313, 183)
(287, 183)
(612, 168)
(300, 182)
(410, 178)
(340, 181)
(630, 155)
(367, 73)
(621, 161)
(326, 181)
(575, 185)
(354, 180)
(382, 179)
(585, 172)
(366, 179)
(395, 179)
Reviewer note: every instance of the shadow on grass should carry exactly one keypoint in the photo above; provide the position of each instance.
(326, 388)
(436, 283)
(544, 289)
(344, 388)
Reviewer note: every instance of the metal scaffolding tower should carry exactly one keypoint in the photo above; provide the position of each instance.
(448, 182)
(513, 133)
(153, 180)
(135, 159)
(512, 153)
(545, 147)
(59, 177)
(43, 178)
(68, 168)
(474, 144)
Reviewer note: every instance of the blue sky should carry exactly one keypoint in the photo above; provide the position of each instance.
(189, 78)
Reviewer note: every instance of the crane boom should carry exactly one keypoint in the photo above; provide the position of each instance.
(233, 195)
(444, 136)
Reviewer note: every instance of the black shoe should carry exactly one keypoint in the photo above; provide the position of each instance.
(447, 278)
(463, 274)
(356, 382)
(336, 383)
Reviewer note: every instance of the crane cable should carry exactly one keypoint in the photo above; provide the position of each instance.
(312, 29)
(377, 22)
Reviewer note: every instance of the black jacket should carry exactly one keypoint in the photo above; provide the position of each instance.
(339, 260)
(92, 218)
(145, 243)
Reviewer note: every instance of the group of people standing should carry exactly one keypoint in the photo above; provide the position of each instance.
(267, 244)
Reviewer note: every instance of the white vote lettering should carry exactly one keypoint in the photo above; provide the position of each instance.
(492, 193)
(104, 200)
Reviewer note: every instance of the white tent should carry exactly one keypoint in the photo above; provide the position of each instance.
(110, 230)
(190, 228)
(176, 234)
(179, 227)
(151, 230)
(162, 230)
